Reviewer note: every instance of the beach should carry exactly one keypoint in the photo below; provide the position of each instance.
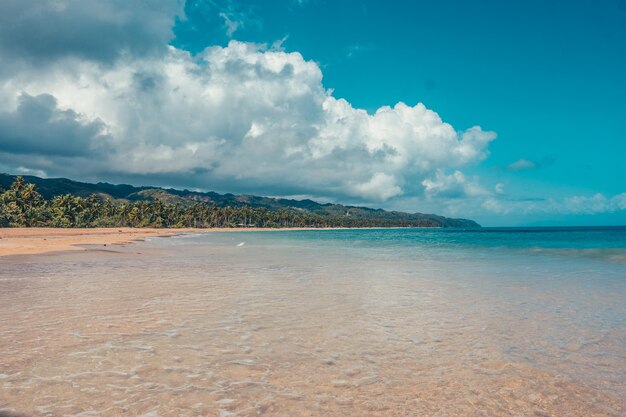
(308, 323)
(36, 240)
(330, 209)
(29, 241)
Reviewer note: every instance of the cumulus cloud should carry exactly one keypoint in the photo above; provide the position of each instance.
(243, 117)
(38, 126)
(46, 30)
(455, 185)
(380, 186)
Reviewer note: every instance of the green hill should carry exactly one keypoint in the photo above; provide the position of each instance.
(51, 187)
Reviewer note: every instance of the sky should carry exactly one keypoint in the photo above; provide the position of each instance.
(507, 112)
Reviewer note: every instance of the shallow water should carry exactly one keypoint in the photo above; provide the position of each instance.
(306, 323)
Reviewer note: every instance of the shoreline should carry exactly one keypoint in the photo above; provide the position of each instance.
(39, 240)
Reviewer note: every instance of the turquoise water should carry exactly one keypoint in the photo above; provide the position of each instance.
(603, 243)
(489, 322)
(557, 287)
(485, 238)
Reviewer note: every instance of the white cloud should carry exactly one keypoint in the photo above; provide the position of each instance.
(521, 165)
(576, 205)
(27, 171)
(381, 186)
(231, 24)
(245, 117)
(597, 203)
(455, 185)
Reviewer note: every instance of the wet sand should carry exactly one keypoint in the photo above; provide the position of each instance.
(29, 241)
(34, 240)
(226, 330)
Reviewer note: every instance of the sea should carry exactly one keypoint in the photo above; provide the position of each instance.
(353, 322)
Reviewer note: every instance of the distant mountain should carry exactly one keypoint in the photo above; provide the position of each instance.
(51, 187)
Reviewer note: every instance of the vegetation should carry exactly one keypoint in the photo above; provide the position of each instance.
(22, 205)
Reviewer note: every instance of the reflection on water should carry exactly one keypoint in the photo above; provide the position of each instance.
(290, 326)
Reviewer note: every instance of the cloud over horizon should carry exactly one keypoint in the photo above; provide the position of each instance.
(243, 116)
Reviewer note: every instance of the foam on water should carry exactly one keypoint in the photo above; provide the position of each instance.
(358, 323)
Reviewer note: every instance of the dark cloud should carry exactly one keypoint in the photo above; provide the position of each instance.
(38, 126)
(88, 29)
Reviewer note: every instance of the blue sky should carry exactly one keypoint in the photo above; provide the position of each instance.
(548, 78)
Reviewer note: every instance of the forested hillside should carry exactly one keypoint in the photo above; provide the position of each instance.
(34, 201)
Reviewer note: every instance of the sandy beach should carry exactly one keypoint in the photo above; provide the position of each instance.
(29, 241)
(36, 240)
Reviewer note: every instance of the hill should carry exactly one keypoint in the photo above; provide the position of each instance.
(51, 187)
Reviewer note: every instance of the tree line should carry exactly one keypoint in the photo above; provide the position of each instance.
(22, 206)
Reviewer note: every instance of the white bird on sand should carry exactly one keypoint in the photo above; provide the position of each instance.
(241, 244)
